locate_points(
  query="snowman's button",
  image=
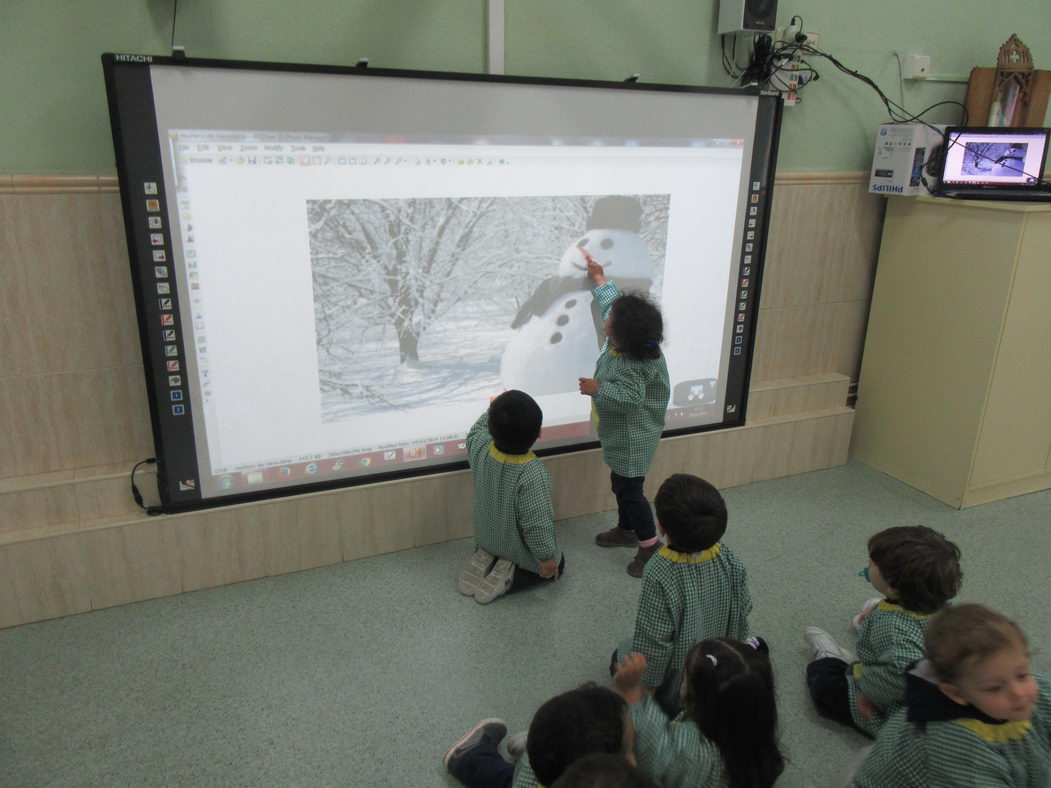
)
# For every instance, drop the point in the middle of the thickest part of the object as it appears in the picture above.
(562, 320)
(606, 243)
(570, 303)
(556, 338)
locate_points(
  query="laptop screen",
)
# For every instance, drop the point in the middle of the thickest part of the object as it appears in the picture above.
(994, 157)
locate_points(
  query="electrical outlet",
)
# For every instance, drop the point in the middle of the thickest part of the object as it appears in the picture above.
(917, 67)
(811, 38)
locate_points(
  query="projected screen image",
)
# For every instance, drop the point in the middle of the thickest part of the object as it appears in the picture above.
(344, 283)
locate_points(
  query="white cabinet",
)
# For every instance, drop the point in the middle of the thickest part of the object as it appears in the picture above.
(954, 396)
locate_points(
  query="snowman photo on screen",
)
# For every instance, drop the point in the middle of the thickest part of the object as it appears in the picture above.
(557, 330)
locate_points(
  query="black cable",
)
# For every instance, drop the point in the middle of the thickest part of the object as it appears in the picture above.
(175, 11)
(760, 66)
(135, 494)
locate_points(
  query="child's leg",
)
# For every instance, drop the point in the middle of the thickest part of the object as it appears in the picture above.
(526, 579)
(633, 508)
(475, 761)
(827, 681)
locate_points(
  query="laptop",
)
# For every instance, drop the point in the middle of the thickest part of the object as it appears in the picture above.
(994, 164)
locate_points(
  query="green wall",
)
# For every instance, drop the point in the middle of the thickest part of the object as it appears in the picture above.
(54, 104)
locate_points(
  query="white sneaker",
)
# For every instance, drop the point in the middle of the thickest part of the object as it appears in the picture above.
(824, 645)
(516, 745)
(496, 583)
(474, 572)
(865, 610)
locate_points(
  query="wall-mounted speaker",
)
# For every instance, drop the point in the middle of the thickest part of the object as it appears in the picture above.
(749, 16)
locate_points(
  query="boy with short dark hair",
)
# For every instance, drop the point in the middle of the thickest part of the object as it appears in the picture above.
(694, 588)
(589, 719)
(918, 572)
(604, 771)
(514, 528)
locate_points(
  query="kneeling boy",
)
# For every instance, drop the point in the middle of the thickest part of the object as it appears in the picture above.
(514, 521)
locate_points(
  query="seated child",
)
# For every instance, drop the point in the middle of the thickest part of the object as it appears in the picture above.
(918, 571)
(514, 521)
(974, 715)
(580, 722)
(604, 771)
(693, 588)
(727, 734)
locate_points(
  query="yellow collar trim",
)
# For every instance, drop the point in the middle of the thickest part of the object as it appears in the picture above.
(510, 459)
(997, 733)
(690, 558)
(885, 605)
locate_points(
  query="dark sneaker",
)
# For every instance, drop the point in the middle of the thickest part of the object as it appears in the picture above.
(638, 563)
(496, 583)
(490, 731)
(475, 570)
(616, 537)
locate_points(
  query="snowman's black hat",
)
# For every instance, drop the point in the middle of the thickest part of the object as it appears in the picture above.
(616, 213)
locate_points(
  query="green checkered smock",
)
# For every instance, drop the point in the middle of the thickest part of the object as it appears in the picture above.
(687, 597)
(631, 401)
(674, 752)
(524, 777)
(962, 753)
(513, 515)
(890, 639)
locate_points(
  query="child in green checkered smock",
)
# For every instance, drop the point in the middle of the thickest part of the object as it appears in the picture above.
(693, 589)
(629, 392)
(974, 715)
(918, 570)
(584, 721)
(514, 528)
(727, 733)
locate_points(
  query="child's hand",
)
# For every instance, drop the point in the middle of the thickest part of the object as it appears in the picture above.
(866, 708)
(628, 678)
(588, 386)
(549, 568)
(596, 273)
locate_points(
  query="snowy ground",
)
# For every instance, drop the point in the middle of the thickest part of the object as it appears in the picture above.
(459, 363)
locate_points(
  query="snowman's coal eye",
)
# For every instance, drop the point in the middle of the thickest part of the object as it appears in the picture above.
(606, 243)
(570, 303)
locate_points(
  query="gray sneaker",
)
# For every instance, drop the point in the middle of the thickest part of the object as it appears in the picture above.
(642, 557)
(474, 572)
(492, 729)
(496, 583)
(516, 745)
(616, 537)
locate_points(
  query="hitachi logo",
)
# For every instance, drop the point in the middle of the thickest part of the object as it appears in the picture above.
(879, 187)
(133, 58)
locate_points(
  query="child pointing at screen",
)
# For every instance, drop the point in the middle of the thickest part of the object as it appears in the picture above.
(629, 394)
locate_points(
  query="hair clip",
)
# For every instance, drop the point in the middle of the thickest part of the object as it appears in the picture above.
(753, 641)
(652, 343)
(715, 662)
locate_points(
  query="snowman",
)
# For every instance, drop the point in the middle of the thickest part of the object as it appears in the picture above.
(558, 333)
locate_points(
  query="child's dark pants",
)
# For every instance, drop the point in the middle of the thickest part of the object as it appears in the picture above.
(633, 510)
